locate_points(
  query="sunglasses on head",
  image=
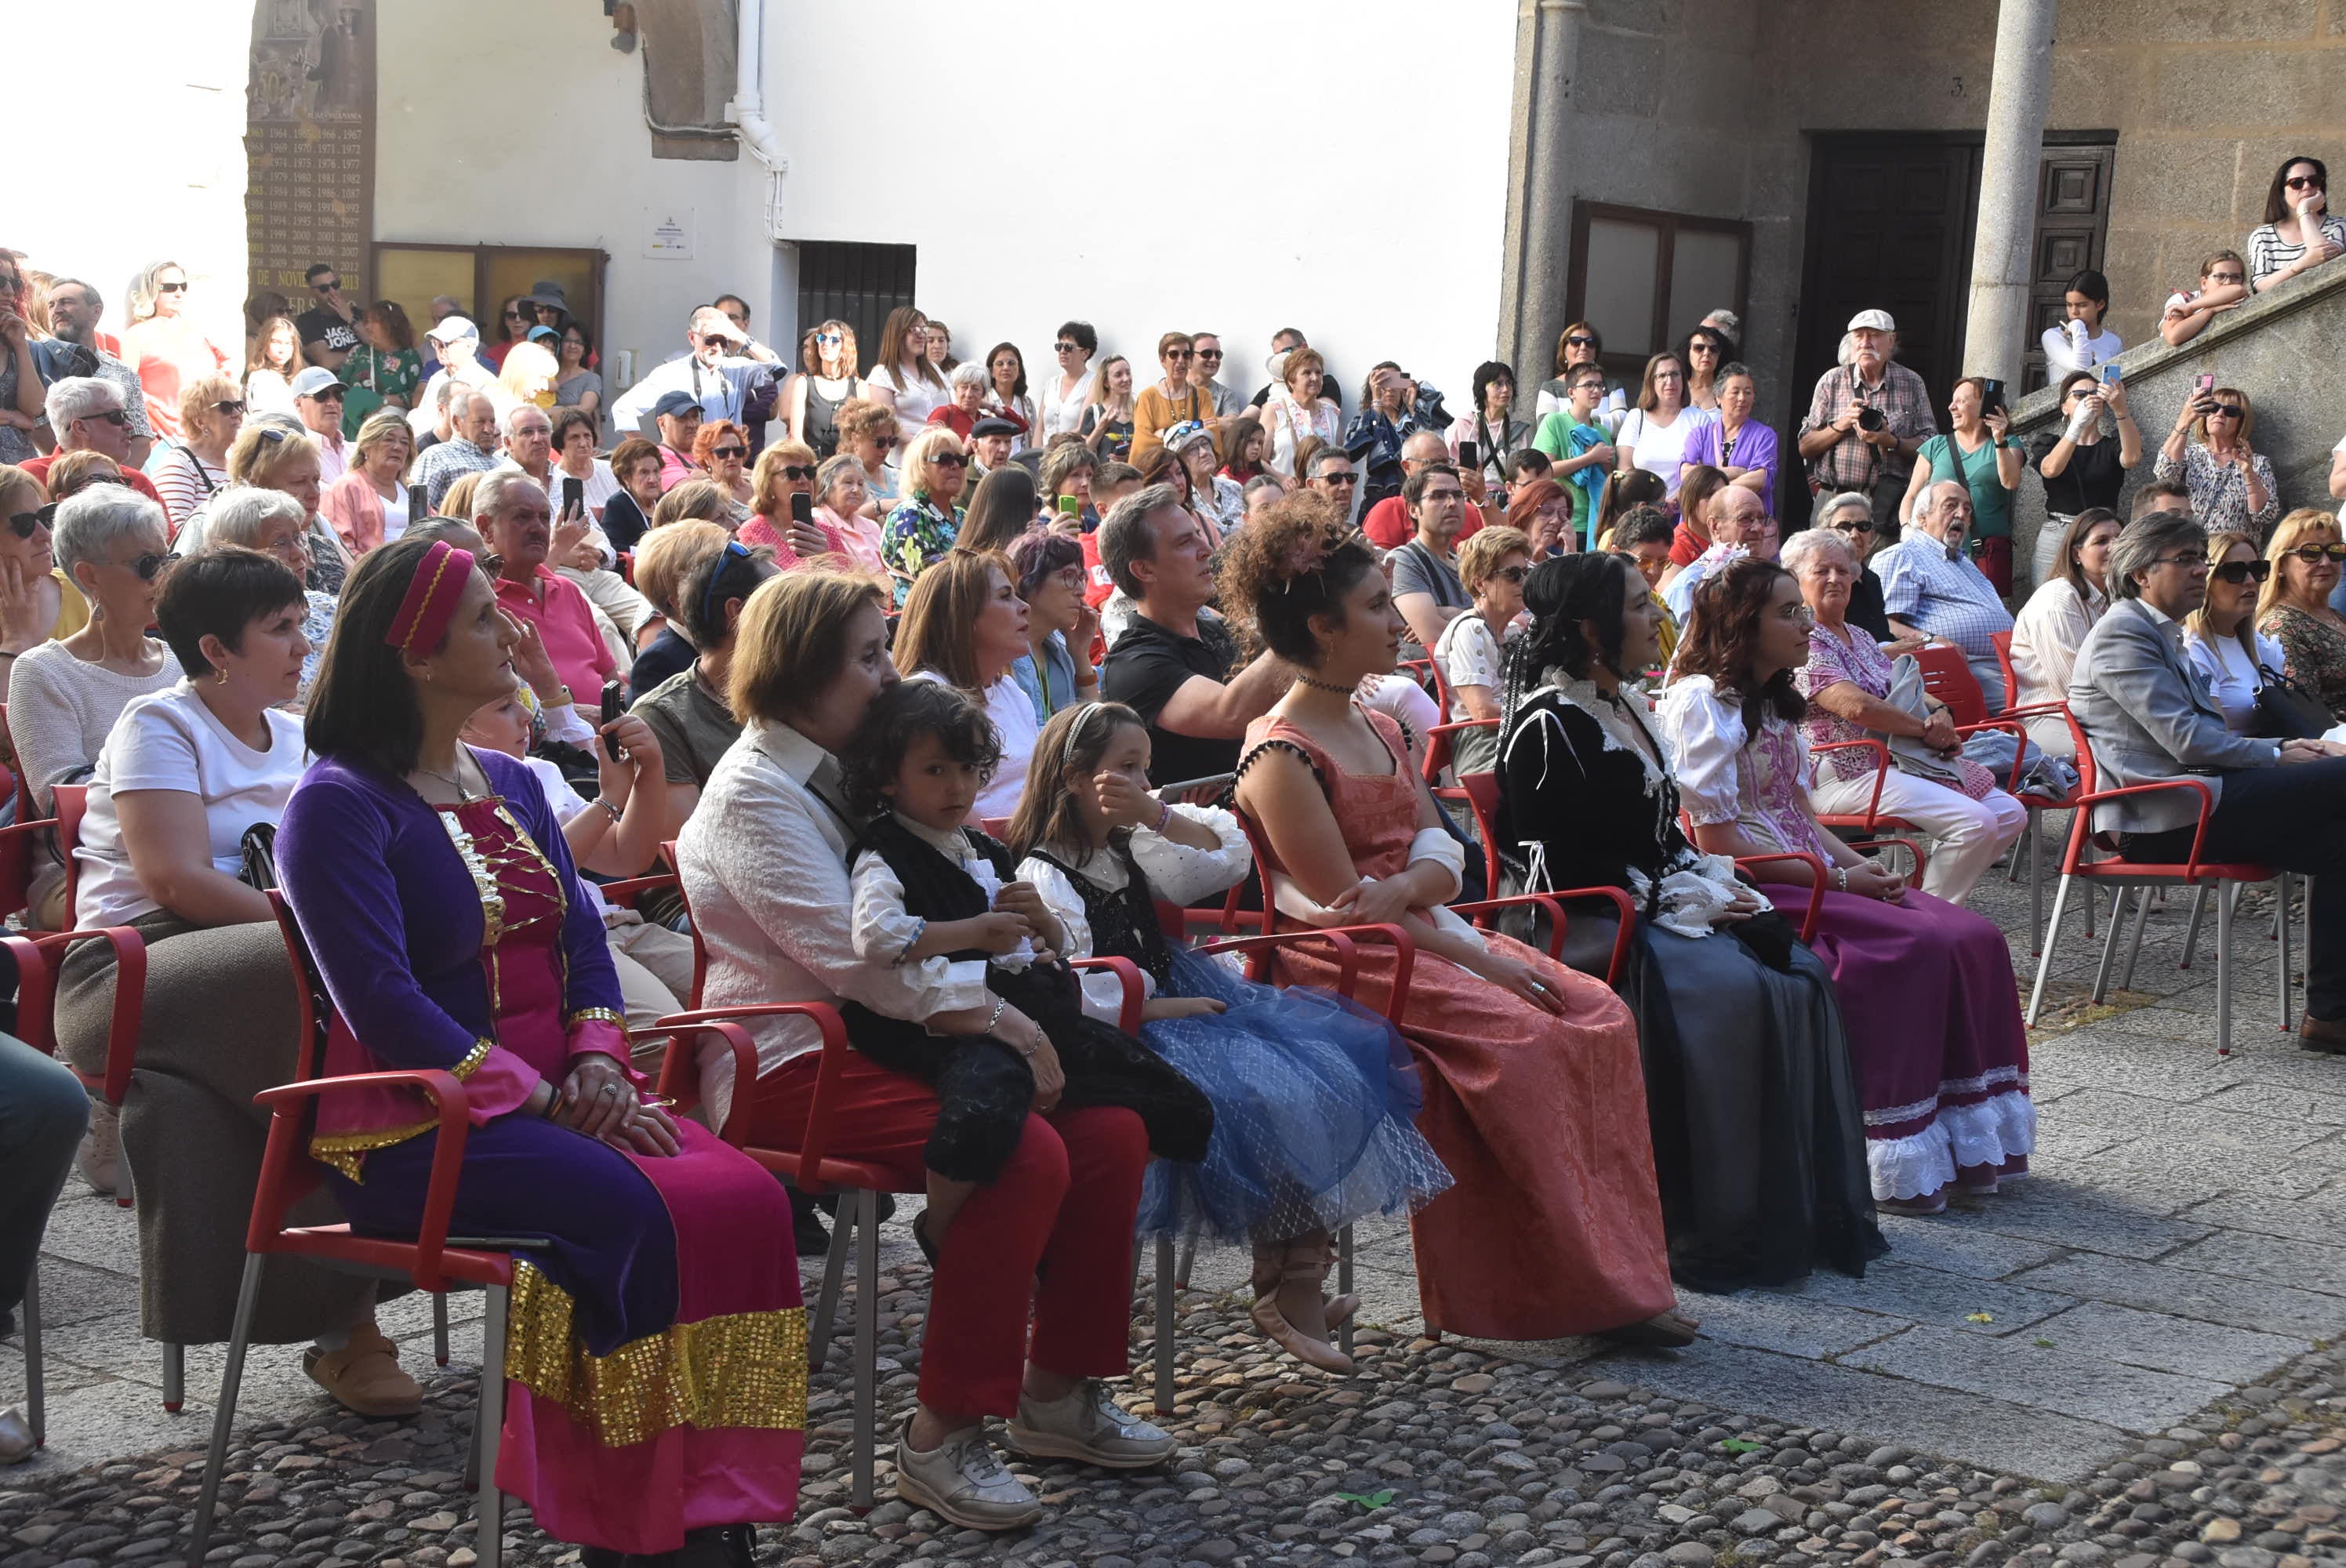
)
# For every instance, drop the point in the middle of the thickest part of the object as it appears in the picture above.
(2310, 554)
(734, 550)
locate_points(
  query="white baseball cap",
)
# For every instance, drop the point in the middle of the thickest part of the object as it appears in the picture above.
(448, 329)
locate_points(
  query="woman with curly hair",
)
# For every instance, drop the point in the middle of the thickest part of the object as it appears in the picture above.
(1532, 1095)
(1926, 988)
(1757, 1133)
(721, 450)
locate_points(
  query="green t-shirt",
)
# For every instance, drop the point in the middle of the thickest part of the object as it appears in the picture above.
(1991, 502)
(1556, 438)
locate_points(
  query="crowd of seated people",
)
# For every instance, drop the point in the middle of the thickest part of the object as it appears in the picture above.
(939, 683)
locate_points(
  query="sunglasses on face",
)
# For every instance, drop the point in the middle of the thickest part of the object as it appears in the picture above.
(1340, 479)
(798, 472)
(1512, 574)
(2225, 411)
(149, 565)
(2239, 572)
(23, 524)
(234, 408)
(1181, 354)
(170, 288)
(949, 460)
(114, 417)
(829, 339)
(1210, 353)
(2313, 554)
(327, 287)
(2304, 183)
(1066, 348)
(1852, 525)
(883, 441)
(1580, 342)
(729, 452)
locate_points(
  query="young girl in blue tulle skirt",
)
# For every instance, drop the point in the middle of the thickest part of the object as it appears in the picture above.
(1314, 1099)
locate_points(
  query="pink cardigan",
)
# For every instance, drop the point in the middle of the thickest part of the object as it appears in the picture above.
(355, 511)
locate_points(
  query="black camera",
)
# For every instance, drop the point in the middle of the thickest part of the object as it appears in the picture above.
(1870, 418)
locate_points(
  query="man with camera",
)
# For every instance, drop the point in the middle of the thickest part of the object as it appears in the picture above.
(724, 368)
(1866, 421)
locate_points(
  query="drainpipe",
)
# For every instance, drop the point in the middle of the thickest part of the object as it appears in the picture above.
(748, 110)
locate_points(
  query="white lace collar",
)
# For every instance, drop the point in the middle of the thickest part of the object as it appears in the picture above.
(1619, 730)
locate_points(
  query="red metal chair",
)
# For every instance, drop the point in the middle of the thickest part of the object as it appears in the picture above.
(432, 1260)
(1442, 740)
(2137, 879)
(2037, 802)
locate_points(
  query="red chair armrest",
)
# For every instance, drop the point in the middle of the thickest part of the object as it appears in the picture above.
(1438, 756)
(2081, 826)
(1127, 974)
(1881, 770)
(835, 1047)
(286, 1101)
(680, 1085)
(1344, 939)
(129, 1004)
(1816, 871)
(624, 895)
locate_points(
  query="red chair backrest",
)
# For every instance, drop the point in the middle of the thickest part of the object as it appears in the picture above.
(2001, 643)
(1948, 678)
(310, 1056)
(1483, 796)
(73, 804)
(699, 949)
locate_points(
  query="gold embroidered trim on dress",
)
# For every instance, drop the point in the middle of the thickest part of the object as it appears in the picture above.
(745, 1370)
(593, 1014)
(485, 879)
(473, 1060)
(343, 1151)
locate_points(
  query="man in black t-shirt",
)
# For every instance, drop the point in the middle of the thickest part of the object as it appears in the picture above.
(1173, 664)
(330, 331)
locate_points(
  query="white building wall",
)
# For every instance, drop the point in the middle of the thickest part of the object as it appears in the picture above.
(516, 123)
(165, 183)
(1228, 165)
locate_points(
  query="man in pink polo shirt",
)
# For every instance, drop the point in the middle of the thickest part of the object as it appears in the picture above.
(516, 523)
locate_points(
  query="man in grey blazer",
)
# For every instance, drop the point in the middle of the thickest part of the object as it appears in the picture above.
(2149, 717)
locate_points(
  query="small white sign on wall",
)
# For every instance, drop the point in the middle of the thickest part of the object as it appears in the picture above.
(668, 233)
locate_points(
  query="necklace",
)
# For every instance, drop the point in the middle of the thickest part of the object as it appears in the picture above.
(463, 796)
(1318, 685)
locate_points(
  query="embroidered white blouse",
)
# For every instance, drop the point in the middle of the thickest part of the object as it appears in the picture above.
(1176, 872)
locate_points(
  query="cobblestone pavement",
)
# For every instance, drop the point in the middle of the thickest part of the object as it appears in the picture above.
(2124, 1360)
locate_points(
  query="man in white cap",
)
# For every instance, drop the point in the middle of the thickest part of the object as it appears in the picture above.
(724, 369)
(1867, 419)
(318, 399)
(457, 344)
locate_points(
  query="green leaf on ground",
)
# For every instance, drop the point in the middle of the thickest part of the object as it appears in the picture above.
(1370, 1501)
(1742, 1445)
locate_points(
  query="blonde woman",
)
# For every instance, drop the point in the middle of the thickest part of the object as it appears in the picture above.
(528, 376)
(275, 458)
(1108, 427)
(2293, 609)
(46, 604)
(367, 506)
(2221, 636)
(187, 470)
(163, 345)
(925, 522)
(2230, 483)
(811, 397)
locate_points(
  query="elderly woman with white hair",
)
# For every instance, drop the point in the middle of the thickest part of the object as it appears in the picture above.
(65, 695)
(1931, 785)
(188, 471)
(272, 522)
(966, 385)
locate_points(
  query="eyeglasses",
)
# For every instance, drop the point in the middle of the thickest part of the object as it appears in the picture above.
(170, 288)
(1512, 573)
(110, 415)
(949, 460)
(1800, 615)
(149, 565)
(734, 550)
(2312, 554)
(2196, 560)
(2231, 278)
(1428, 498)
(2225, 411)
(2303, 182)
(2239, 572)
(729, 452)
(235, 408)
(797, 471)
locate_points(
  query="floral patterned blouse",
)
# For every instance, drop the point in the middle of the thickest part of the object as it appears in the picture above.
(1853, 657)
(917, 533)
(2219, 491)
(2316, 649)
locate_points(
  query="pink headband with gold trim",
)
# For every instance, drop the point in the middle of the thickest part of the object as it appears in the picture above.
(431, 598)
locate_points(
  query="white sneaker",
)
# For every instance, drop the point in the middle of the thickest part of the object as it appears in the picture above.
(963, 1481)
(1087, 1424)
(99, 1159)
(17, 1443)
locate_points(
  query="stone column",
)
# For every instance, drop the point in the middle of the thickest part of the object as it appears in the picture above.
(1539, 206)
(2003, 259)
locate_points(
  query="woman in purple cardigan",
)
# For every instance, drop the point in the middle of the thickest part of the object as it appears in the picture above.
(439, 900)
